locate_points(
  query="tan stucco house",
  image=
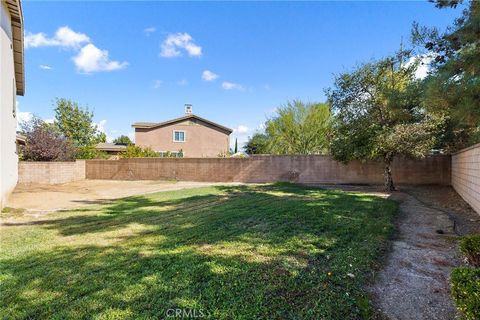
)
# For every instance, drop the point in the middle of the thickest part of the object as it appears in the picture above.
(11, 85)
(196, 137)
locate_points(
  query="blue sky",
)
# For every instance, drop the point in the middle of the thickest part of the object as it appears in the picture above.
(235, 62)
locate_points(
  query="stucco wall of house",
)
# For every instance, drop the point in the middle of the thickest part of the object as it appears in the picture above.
(8, 155)
(466, 175)
(201, 139)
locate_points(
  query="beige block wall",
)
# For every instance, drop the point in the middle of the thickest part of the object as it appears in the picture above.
(201, 140)
(8, 122)
(50, 172)
(303, 169)
(466, 175)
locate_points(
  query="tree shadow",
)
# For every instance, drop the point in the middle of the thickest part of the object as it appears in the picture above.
(254, 252)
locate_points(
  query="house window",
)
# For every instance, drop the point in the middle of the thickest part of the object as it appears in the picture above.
(178, 136)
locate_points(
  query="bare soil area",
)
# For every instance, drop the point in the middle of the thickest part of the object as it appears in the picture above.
(47, 198)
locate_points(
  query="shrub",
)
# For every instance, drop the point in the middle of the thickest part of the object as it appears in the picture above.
(45, 143)
(470, 247)
(89, 152)
(133, 151)
(466, 291)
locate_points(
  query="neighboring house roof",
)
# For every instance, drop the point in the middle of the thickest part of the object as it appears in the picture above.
(15, 9)
(103, 146)
(151, 125)
(21, 139)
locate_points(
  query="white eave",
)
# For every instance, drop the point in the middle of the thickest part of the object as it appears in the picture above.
(15, 9)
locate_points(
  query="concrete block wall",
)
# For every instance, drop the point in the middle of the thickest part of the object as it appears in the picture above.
(50, 172)
(466, 175)
(303, 169)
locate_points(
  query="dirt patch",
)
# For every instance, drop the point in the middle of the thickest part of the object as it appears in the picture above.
(46, 198)
(445, 199)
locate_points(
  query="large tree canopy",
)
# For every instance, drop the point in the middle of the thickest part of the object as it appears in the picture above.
(299, 128)
(378, 114)
(257, 144)
(453, 88)
(76, 123)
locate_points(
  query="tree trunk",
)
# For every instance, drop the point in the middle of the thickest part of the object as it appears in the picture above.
(387, 174)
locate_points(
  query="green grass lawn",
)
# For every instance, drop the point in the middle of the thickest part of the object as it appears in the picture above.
(277, 251)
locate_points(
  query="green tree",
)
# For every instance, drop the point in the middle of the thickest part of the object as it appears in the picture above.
(299, 128)
(378, 114)
(452, 90)
(123, 140)
(101, 137)
(76, 123)
(236, 146)
(256, 144)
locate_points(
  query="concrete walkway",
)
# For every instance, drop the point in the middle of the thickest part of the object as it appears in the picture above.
(415, 282)
(47, 198)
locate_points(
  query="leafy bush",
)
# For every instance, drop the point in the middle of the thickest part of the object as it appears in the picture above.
(138, 152)
(45, 143)
(470, 247)
(466, 291)
(133, 151)
(89, 152)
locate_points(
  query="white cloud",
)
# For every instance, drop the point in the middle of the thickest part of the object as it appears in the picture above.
(208, 75)
(149, 30)
(241, 134)
(101, 128)
(88, 59)
(174, 42)
(423, 67)
(101, 125)
(92, 59)
(45, 67)
(241, 129)
(230, 86)
(182, 82)
(50, 120)
(64, 37)
(23, 117)
(157, 84)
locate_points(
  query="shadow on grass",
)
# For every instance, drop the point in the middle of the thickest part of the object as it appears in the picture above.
(236, 252)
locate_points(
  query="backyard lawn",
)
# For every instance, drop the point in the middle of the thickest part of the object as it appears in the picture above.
(276, 251)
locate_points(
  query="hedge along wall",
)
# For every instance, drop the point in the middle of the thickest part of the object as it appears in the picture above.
(303, 169)
(466, 175)
(50, 172)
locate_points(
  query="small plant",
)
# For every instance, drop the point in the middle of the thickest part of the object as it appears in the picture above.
(466, 291)
(89, 152)
(470, 247)
(133, 151)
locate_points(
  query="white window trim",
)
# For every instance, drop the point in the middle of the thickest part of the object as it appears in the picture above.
(184, 136)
